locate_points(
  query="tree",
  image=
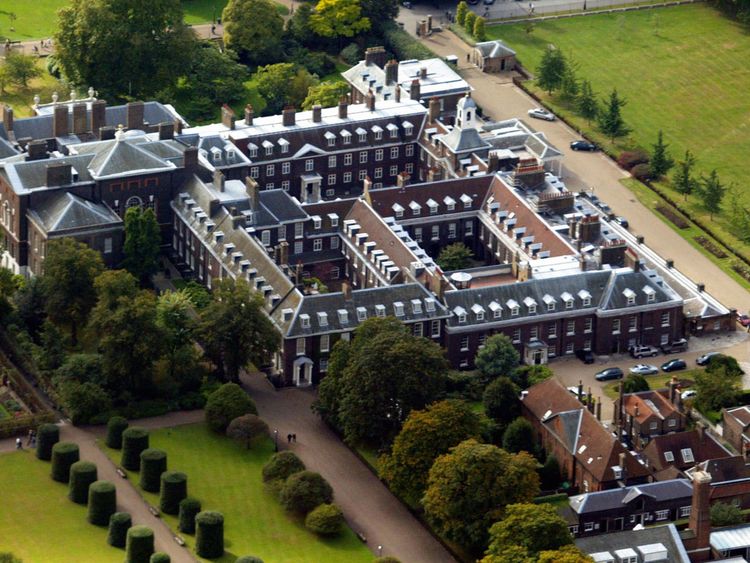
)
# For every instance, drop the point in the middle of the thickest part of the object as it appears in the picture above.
(661, 162)
(298, 26)
(225, 404)
(569, 87)
(469, 20)
(281, 466)
(82, 368)
(305, 490)
(246, 429)
(379, 12)
(549, 473)
(328, 403)
(338, 18)
(586, 103)
(519, 437)
(536, 527)
(10, 283)
(683, 180)
(20, 68)
(469, 488)
(461, 10)
(283, 84)
(426, 434)
(150, 39)
(566, 554)
(142, 242)
(712, 192)
(634, 383)
(456, 256)
(479, 31)
(610, 119)
(726, 514)
(526, 376)
(551, 69)
(68, 283)
(83, 401)
(173, 317)
(501, 400)
(234, 329)
(498, 357)
(325, 520)
(9, 558)
(29, 305)
(717, 387)
(326, 94)
(254, 29)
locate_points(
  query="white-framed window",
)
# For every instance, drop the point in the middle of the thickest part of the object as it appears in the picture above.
(435, 232)
(378, 155)
(662, 514)
(108, 245)
(379, 172)
(286, 167)
(462, 317)
(418, 234)
(434, 329)
(451, 230)
(516, 335)
(270, 170)
(269, 149)
(652, 425)
(469, 228)
(265, 238)
(309, 165)
(282, 232)
(323, 364)
(347, 177)
(362, 136)
(571, 328)
(347, 159)
(616, 326)
(300, 346)
(332, 141)
(632, 324)
(588, 526)
(334, 273)
(534, 333)
(317, 222)
(304, 321)
(378, 134)
(464, 343)
(409, 150)
(417, 329)
(252, 150)
(254, 171)
(672, 422)
(332, 179)
(380, 311)
(284, 145)
(569, 348)
(685, 511)
(318, 244)
(588, 324)
(299, 230)
(270, 185)
(665, 319)
(409, 168)
(346, 136)
(363, 157)
(482, 340)
(687, 455)
(664, 339)
(393, 170)
(325, 343)
(332, 161)
(298, 247)
(330, 192)
(552, 330)
(334, 243)
(394, 152)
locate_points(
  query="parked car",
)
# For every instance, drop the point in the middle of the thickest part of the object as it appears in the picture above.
(673, 365)
(706, 358)
(744, 320)
(582, 145)
(608, 374)
(644, 369)
(620, 220)
(675, 346)
(689, 394)
(604, 207)
(585, 356)
(643, 351)
(541, 113)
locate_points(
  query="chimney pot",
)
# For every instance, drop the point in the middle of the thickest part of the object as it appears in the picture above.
(288, 116)
(415, 93)
(423, 72)
(249, 114)
(343, 107)
(134, 115)
(317, 113)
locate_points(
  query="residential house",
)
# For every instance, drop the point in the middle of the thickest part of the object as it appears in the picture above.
(493, 56)
(646, 414)
(661, 544)
(668, 455)
(736, 425)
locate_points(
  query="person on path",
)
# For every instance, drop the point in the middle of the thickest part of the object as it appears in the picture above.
(294, 438)
(19, 444)
(288, 438)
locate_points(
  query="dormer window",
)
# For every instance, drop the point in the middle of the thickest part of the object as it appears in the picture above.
(380, 311)
(429, 305)
(392, 130)
(334, 219)
(513, 306)
(378, 131)
(398, 309)
(585, 298)
(361, 314)
(466, 201)
(416, 306)
(433, 205)
(629, 295)
(317, 221)
(398, 210)
(346, 136)
(450, 203)
(460, 312)
(304, 320)
(650, 293)
(331, 138)
(252, 150)
(478, 310)
(416, 209)
(530, 305)
(408, 128)
(497, 310)
(567, 299)
(361, 135)
(322, 319)
(284, 144)
(343, 316)
(268, 145)
(550, 302)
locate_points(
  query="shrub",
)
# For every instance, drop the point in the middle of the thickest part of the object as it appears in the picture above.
(191, 401)
(119, 524)
(350, 55)
(134, 441)
(225, 404)
(47, 436)
(139, 545)
(248, 559)
(102, 502)
(189, 509)
(628, 159)
(246, 429)
(115, 427)
(403, 45)
(641, 172)
(679, 221)
(281, 466)
(64, 454)
(173, 491)
(160, 557)
(209, 534)
(725, 514)
(83, 401)
(153, 464)
(305, 490)
(82, 474)
(325, 520)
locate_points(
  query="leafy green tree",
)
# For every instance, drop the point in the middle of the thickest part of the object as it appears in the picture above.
(246, 429)
(536, 527)
(519, 437)
(234, 329)
(526, 376)
(634, 383)
(254, 29)
(298, 26)
(566, 554)
(586, 103)
(29, 304)
(380, 12)
(469, 20)
(328, 403)
(661, 162)
(83, 401)
(226, 404)
(150, 39)
(81, 368)
(726, 514)
(461, 10)
(20, 68)
(717, 387)
(142, 242)
(283, 84)
(610, 118)
(327, 94)
(469, 488)
(551, 69)
(10, 283)
(501, 400)
(549, 473)
(68, 283)
(456, 256)
(305, 490)
(325, 520)
(498, 357)
(712, 192)
(683, 180)
(110, 286)
(335, 19)
(173, 317)
(479, 32)
(426, 434)
(569, 86)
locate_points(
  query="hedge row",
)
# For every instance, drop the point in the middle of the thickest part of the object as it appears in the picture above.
(153, 464)
(82, 474)
(209, 534)
(20, 425)
(134, 441)
(115, 427)
(47, 436)
(119, 524)
(189, 509)
(102, 502)
(64, 454)
(173, 491)
(139, 545)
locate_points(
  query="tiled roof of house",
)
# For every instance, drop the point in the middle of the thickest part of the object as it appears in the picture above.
(650, 403)
(740, 414)
(613, 499)
(682, 449)
(121, 157)
(65, 211)
(464, 140)
(723, 469)
(660, 543)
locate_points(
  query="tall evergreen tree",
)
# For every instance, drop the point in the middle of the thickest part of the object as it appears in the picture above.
(142, 241)
(610, 120)
(479, 32)
(683, 180)
(569, 86)
(587, 105)
(661, 162)
(712, 192)
(550, 71)
(461, 10)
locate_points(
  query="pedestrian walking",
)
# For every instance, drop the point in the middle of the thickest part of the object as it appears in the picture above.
(288, 438)
(294, 438)
(19, 444)
(31, 435)
(467, 57)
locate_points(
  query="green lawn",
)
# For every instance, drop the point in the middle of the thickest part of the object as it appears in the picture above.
(658, 381)
(681, 69)
(39, 523)
(227, 478)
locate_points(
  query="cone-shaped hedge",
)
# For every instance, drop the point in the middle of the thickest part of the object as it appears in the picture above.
(153, 464)
(139, 544)
(134, 441)
(82, 474)
(209, 534)
(189, 509)
(64, 454)
(102, 502)
(47, 436)
(115, 427)
(119, 524)
(160, 557)
(173, 490)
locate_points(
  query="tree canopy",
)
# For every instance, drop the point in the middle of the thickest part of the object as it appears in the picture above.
(254, 29)
(519, 437)
(456, 256)
(142, 242)
(610, 118)
(549, 73)
(712, 192)
(683, 180)
(498, 357)
(718, 386)
(283, 84)
(501, 400)
(338, 18)
(327, 94)
(661, 162)
(586, 103)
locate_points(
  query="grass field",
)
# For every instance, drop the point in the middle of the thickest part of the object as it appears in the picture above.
(227, 478)
(39, 523)
(658, 381)
(20, 99)
(682, 69)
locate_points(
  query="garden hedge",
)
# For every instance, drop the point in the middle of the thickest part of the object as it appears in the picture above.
(304, 491)
(189, 509)
(82, 474)
(160, 557)
(102, 502)
(173, 491)
(64, 454)
(209, 534)
(119, 524)
(139, 546)
(325, 520)
(248, 559)
(134, 441)
(281, 466)
(153, 464)
(115, 427)
(47, 436)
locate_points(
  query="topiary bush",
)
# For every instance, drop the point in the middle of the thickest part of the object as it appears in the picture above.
(153, 464)
(139, 546)
(115, 427)
(325, 520)
(641, 172)
(47, 436)
(64, 454)
(628, 159)
(225, 404)
(189, 509)
(119, 524)
(248, 559)
(281, 466)
(173, 491)
(82, 474)
(305, 490)
(209, 534)
(102, 502)
(134, 441)
(160, 557)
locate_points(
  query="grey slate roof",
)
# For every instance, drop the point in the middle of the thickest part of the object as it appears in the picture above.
(464, 140)
(632, 539)
(30, 175)
(122, 157)
(494, 48)
(65, 211)
(6, 149)
(615, 498)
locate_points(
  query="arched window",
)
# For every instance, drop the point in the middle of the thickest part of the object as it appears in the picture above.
(134, 201)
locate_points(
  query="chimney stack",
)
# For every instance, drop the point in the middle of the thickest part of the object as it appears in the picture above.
(346, 289)
(98, 115)
(107, 133)
(415, 93)
(375, 56)
(423, 72)
(134, 115)
(253, 192)
(429, 23)
(60, 121)
(402, 179)
(623, 476)
(249, 114)
(391, 72)
(166, 130)
(190, 159)
(228, 117)
(177, 126)
(288, 116)
(343, 107)
(370, 100)
(283, 252)
(434, 110)
(700, 511)
(80, 119)
(397, 93)
(580, 390)
(37, 150)
(8, 117)
(59, 174)
(599, 409)
(317, 113)
(219, 180)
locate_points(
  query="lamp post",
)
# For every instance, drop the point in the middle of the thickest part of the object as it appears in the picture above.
(276, 440)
